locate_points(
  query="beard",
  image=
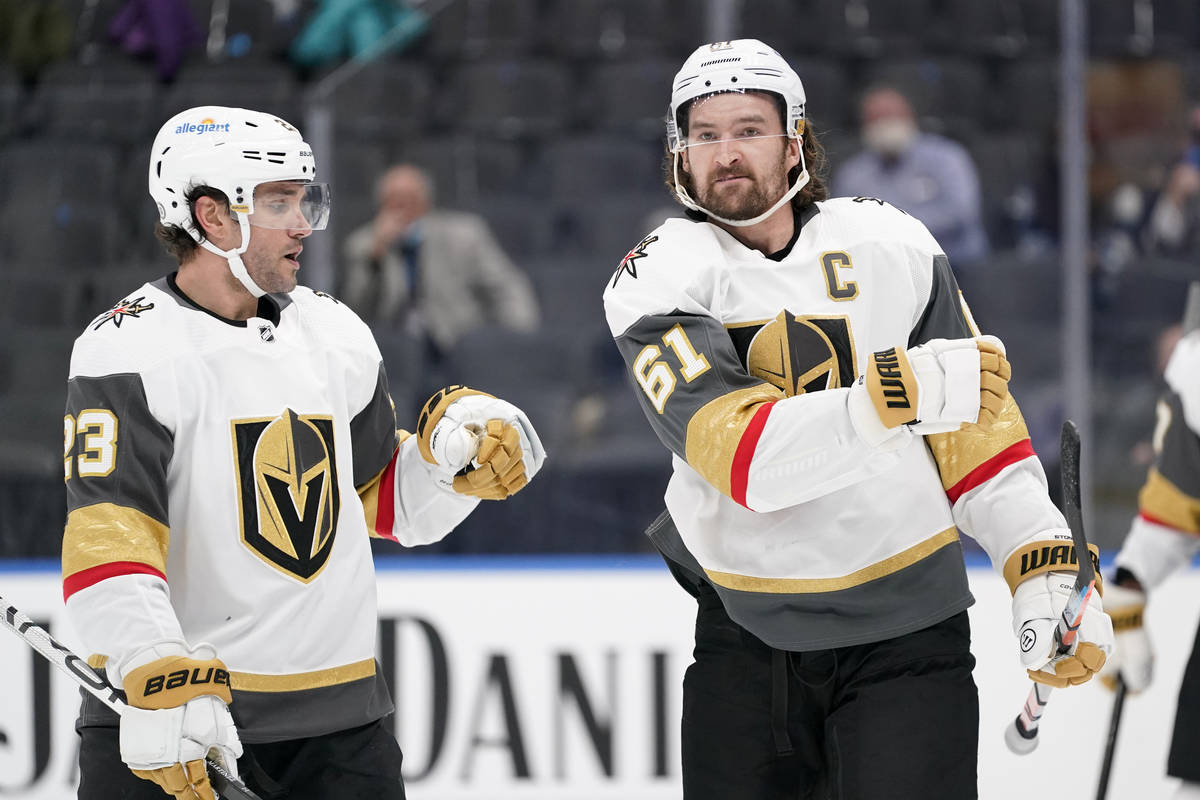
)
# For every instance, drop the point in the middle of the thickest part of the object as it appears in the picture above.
(744, 201)
(265, 270)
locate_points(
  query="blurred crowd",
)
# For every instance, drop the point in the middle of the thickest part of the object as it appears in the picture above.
(488, 177)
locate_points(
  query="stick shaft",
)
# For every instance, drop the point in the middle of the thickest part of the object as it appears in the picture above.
(1065, 632)
(61, 656)
(1110, 746)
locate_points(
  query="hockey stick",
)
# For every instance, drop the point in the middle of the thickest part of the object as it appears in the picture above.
(39, 639)
(1110, 748)
(1021, 736)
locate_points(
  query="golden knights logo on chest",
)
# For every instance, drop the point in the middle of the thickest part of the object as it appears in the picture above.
(287, 490)
(798, 353)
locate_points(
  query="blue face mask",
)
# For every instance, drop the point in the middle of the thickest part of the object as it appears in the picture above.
(1192, 154)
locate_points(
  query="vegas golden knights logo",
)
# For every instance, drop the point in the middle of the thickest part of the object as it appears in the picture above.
(802, 354)
(288, 490)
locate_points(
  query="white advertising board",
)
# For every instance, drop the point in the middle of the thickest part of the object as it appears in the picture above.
(560, 678)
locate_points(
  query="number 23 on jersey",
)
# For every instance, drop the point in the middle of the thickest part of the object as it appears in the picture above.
(98, 427)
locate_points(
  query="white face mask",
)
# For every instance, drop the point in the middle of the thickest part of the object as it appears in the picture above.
(890, 137)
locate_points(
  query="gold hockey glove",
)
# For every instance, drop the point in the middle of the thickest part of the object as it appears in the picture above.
(1041, 574)
(178, 714)
(479, 445)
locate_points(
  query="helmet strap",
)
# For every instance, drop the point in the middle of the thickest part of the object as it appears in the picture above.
(686, 199)
(234, 258)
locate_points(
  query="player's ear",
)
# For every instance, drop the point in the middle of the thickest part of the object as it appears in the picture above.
(213, 218)
(793, 151)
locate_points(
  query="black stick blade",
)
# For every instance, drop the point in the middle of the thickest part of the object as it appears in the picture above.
(1069, 464)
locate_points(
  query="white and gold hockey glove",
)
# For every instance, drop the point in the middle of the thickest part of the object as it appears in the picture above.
(1133, 658)
(177, 716)
(1041, 574)
(479, 445)
(935, 387)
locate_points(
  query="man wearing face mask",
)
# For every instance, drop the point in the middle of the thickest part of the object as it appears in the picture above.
(927, 175)
(1173, 224)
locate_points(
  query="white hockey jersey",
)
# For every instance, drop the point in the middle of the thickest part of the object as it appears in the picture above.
(1165, 535)
(812, 538)
(222, 479)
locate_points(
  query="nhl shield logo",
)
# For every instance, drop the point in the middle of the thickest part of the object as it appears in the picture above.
(800, 354)
(288, 490)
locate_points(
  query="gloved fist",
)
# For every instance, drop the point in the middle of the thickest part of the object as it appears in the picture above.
(1133, 657)
(480, 445)
(994, 373)
(1037, 607)
(178, 714)
(935, 387)
(501, 469)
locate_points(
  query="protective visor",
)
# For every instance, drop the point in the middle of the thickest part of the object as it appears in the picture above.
(701, 138)
(291, 206)
(743, 124)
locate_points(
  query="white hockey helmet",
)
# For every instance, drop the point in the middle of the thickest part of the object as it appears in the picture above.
(741, 65)
(233, 150)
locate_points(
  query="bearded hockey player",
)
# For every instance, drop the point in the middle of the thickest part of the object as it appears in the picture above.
(835, 420)
(230, 446)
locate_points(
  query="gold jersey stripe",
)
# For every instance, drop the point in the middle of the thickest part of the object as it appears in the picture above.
(1168, 504)
(105, 533)
(715, 429)
(960, 452)
(300, 681)
(919, 551)
(253, 682)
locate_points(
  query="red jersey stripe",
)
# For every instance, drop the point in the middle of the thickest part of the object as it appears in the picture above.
(93, 575)
(989, 469)
(739, 472)
(385, 504)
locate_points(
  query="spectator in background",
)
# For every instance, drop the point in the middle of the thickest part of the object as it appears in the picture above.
(1174, 225)
(163, 29)
(434, 274)
(340, 29)
(929, 176)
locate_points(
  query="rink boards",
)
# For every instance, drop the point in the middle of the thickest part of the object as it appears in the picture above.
(560, 678)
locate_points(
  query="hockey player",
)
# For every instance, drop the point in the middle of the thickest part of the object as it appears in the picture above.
(230, 445)
(835, 419)
(1163, 538)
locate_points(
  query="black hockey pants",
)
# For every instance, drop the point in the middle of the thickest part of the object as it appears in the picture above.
(895, 719)
(357, 764)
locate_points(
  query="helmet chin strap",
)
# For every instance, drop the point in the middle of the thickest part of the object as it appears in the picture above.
(686, 199)
(234, 257)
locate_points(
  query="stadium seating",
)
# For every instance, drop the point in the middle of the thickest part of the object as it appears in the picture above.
(57, 204)
(471, 29)
(547, 118)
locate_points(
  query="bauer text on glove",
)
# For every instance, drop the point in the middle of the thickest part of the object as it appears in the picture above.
(177, 716)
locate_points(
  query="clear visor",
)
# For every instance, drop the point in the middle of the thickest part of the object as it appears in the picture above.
(701, 138)
(291, 206)
(723, 117)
